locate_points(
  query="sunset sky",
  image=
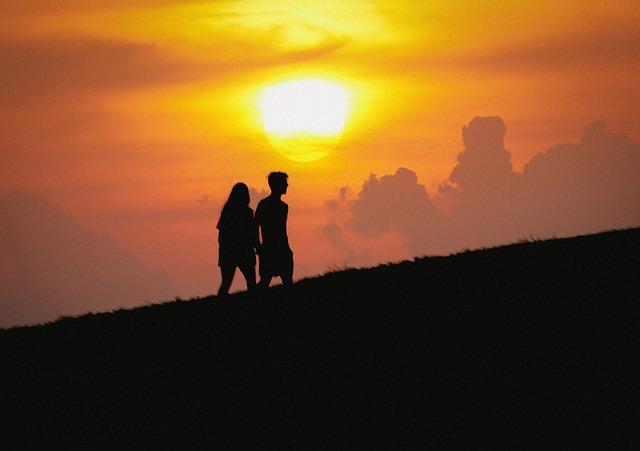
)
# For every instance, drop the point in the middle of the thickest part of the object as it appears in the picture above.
(126, 123)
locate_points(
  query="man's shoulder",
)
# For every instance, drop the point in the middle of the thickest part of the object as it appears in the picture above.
(271, 201)
(266, 201)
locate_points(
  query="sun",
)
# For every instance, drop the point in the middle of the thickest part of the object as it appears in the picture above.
(304, 119)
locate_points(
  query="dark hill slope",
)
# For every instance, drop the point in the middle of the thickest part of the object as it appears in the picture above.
(525, 346)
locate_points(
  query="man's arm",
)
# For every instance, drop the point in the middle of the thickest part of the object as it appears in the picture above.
(258, 223)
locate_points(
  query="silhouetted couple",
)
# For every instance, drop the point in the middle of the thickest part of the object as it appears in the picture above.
(239, 236)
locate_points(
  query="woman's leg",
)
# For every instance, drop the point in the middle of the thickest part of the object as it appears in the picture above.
(227, 277)
(249, 273)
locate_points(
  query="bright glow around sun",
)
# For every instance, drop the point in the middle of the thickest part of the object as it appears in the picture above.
(310, 106)
(304, 118)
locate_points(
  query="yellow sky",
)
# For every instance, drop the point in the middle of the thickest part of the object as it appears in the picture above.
(137, 117)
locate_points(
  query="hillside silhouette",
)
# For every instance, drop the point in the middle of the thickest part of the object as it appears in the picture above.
(529, 345)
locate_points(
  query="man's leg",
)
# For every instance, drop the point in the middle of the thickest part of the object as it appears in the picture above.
(287, 279)
(287, 270)
(227, 277)
(264, 281)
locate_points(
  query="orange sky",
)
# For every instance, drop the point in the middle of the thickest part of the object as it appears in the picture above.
(137, 117)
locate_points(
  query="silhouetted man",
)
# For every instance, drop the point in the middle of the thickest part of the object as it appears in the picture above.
(276, 258)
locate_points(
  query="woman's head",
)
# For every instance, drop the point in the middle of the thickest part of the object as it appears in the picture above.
(239, 196)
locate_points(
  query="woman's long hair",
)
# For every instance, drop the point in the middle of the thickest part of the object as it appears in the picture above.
(238, 198)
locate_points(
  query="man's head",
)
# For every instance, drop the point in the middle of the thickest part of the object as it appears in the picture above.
(278, 182)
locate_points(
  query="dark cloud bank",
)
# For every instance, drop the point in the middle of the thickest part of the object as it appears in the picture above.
(51, 266)
(569, 190)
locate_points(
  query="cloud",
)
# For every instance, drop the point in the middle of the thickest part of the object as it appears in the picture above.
(64, 69)
(597, 48)
(256, 196)
(58, 268)
(569, 190)
(583, 187)
(393, 204)
(354, 254)
(352, 248)
(484, 166)
(9, 8)
(486, 184)
(74, 62)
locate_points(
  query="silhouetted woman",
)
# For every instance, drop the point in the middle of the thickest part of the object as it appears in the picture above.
(238, 238)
